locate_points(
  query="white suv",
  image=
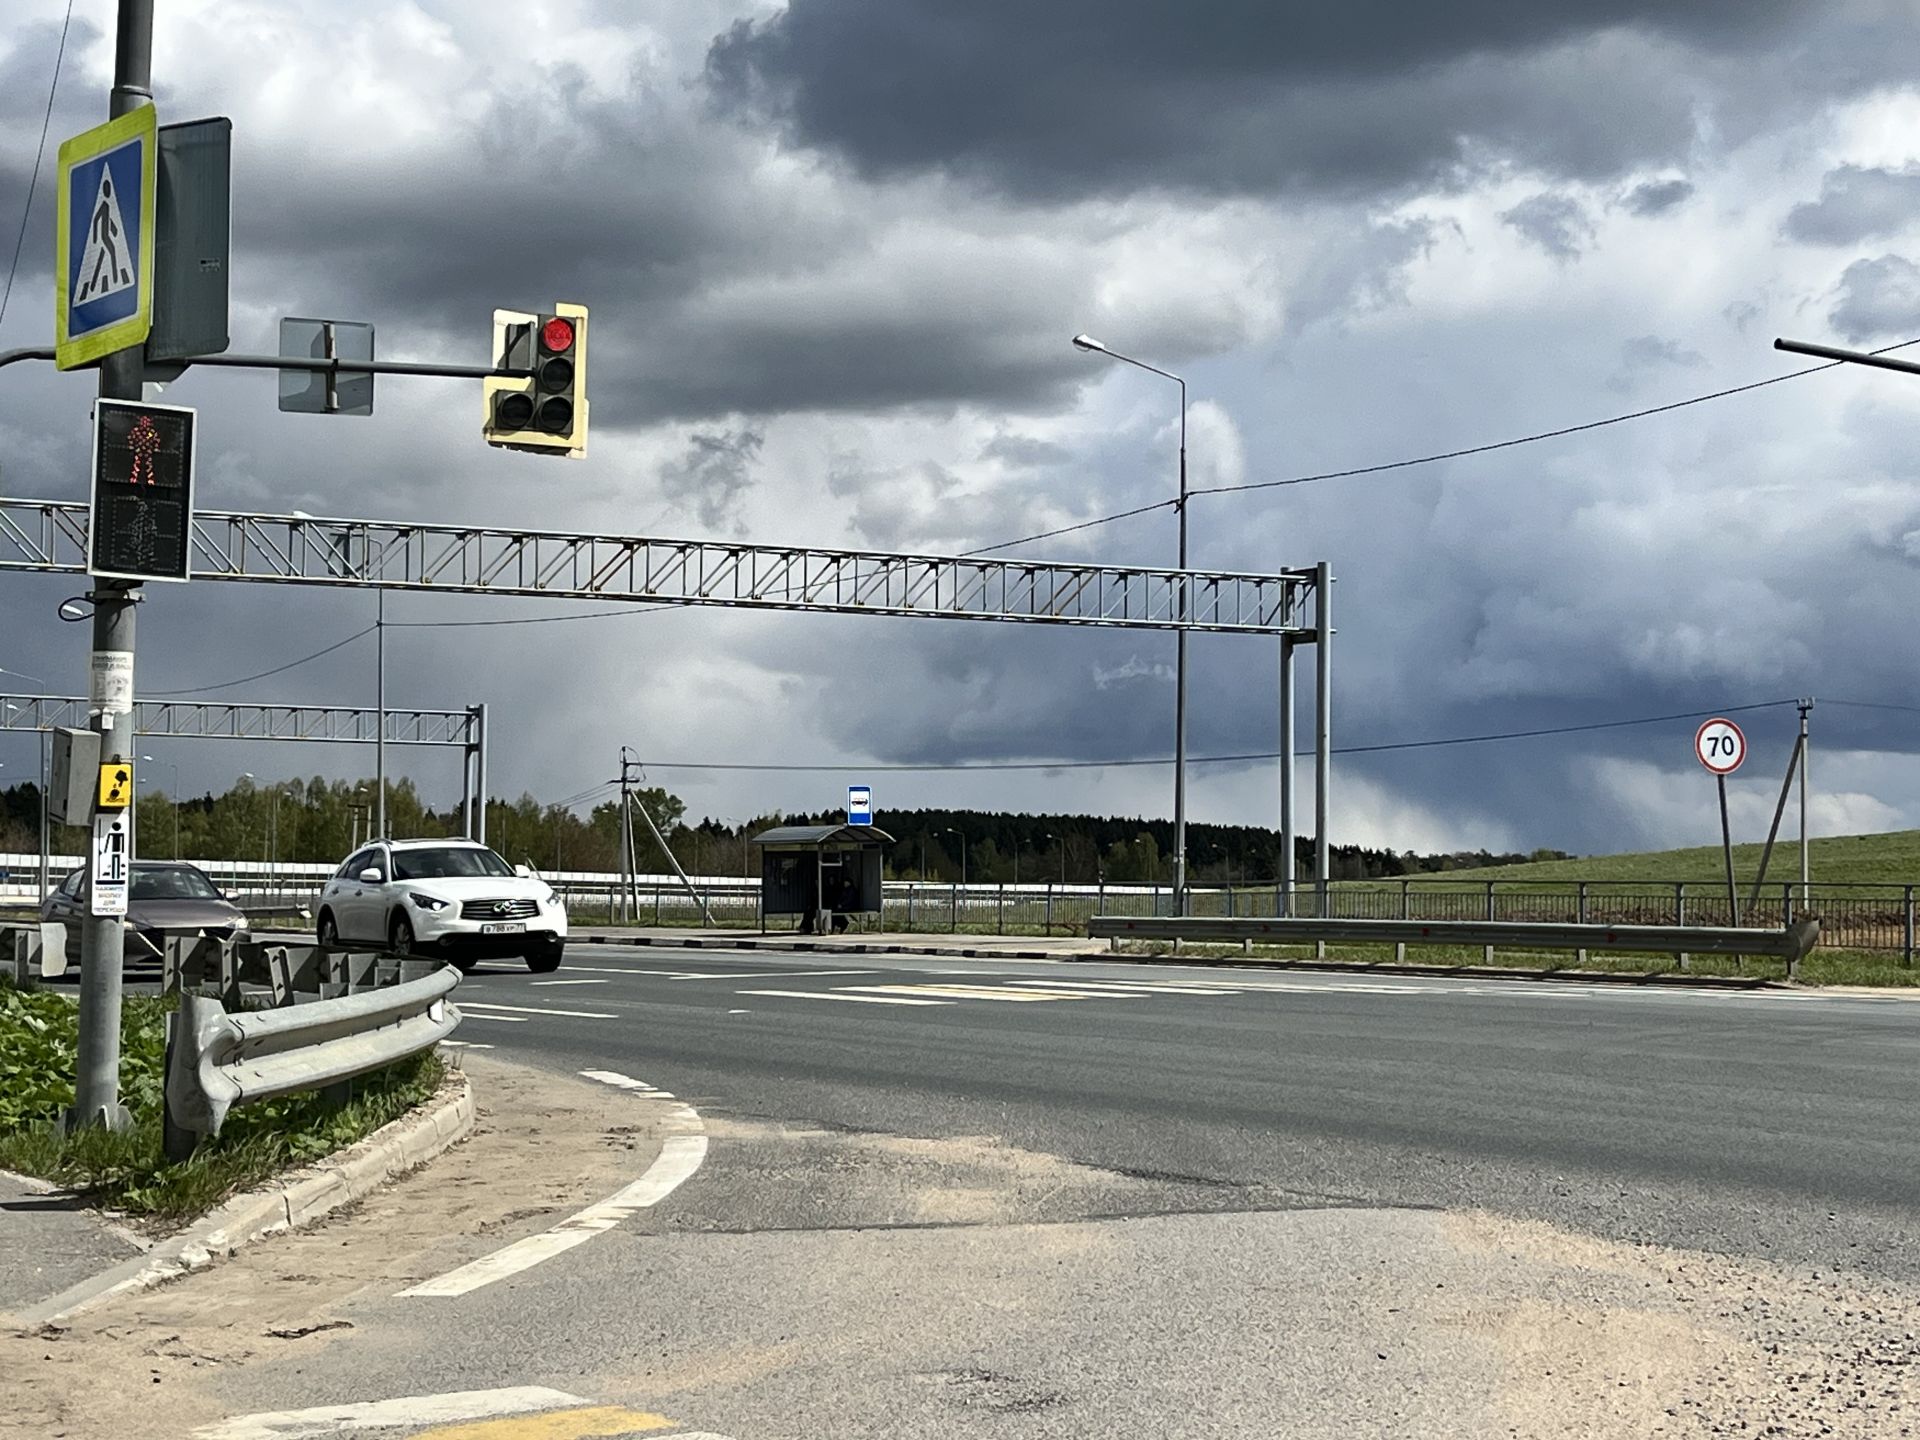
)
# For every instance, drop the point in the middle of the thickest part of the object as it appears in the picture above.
(451, 898)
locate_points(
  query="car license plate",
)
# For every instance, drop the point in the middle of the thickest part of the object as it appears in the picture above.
(504, 927)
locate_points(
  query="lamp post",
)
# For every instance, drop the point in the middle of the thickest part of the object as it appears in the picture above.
(963, 854)
(1087, 342)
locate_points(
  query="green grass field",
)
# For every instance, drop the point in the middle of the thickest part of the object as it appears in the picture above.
(1889, 859)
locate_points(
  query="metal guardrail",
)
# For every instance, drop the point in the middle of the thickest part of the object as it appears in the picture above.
(217, 1059)
(1790, 943)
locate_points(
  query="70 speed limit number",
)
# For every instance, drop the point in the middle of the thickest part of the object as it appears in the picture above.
(1720, 745)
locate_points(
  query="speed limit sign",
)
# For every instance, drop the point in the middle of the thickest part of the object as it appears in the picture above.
(1720, 745)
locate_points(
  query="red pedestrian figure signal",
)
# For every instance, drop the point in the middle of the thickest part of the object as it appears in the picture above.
(142, 491)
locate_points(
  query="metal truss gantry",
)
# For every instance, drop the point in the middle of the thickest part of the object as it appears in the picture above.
(51, 536)
(235, 720)
(465, 730)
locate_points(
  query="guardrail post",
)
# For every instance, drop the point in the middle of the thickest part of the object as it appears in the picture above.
(911, 891)
(1580, 917)
(1680, 918)
(1049, 907)
(1906, 951)
(656, 905)
(953, 910)
(1486, 954)
(1001, 927)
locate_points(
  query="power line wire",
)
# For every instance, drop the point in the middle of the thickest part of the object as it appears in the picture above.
(1872, 705)
(996, 765)
(277, 670)
(26, 209)
(1445, 454)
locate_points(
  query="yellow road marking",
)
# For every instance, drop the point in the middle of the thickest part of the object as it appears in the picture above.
(554, 1425)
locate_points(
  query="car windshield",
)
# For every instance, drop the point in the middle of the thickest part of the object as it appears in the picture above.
(440, 862)
(172, 885)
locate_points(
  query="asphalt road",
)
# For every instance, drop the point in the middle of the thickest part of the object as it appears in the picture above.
(1016, 1198)
(1766, 1124)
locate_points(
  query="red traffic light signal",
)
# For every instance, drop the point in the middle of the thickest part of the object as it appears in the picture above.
(546, 408)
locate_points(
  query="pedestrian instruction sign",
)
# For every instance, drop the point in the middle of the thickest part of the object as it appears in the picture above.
(103, 239)
(116, 785)
(110, 866)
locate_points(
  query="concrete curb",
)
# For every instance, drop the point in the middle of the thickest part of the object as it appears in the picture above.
(297, 1199)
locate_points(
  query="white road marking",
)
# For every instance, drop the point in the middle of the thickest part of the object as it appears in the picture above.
(467, 1012)
(569, 982)
(772, 974)
(837, 995)
(464, 1045)
(965, 992)
(680, 1156)
(1130, 987)
(537, 1010)
(409, 1411)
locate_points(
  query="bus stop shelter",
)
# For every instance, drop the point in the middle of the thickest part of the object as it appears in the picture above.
(820, 872)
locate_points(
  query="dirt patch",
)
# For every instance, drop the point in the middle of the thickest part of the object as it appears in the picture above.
(542, 1147)
(1609, 1338)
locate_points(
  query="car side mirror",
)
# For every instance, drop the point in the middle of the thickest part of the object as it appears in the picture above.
(371, 876)
(525, 872)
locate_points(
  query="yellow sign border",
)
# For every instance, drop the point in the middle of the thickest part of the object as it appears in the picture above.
(108, 784)
(142, 125)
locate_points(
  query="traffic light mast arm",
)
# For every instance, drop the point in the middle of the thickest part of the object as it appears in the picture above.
(306, 362)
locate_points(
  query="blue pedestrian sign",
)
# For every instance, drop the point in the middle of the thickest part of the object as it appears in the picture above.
(859, 805)
(103, 239)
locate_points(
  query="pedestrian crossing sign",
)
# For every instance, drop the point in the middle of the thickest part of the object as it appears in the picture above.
(103, 239)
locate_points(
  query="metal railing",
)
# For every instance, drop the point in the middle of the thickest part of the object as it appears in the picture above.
(1878, 918)
(217, 1059)
(1789, 943)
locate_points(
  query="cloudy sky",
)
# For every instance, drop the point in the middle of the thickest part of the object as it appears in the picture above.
(835, 252)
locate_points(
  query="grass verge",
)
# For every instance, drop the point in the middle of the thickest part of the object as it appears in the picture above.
(126, 1171)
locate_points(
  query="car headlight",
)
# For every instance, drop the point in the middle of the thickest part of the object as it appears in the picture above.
(551, 900)
(428, 902)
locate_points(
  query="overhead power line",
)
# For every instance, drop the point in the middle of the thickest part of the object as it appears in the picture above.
(262, 675)
(1439, 456)
(997, 765)
(39, 154)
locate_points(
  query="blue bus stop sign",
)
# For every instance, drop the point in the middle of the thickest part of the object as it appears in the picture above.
(859, 805)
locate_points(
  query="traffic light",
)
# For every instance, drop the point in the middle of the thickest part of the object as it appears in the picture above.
(548, 409)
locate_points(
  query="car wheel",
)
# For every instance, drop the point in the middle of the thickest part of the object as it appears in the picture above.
(328, 932)
(545, 962)
(400, 936)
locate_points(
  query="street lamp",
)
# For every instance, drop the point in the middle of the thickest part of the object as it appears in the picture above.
(963, 854)
(1087, 342)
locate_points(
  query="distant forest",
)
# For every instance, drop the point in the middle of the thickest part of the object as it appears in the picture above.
(319, 820)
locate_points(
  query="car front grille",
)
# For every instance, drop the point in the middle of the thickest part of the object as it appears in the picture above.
(499, 909)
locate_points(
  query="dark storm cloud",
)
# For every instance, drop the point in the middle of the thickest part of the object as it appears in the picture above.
(1112, 96)
(1656, 197)
(713, 474)
(1878, 298)
(1856, 203)
(1558, 224)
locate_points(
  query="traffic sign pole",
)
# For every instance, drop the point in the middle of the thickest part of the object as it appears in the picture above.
(96, 1097)
(1726, 846)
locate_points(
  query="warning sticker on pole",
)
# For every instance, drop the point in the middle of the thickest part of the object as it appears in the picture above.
(110, 864)
(111, 692)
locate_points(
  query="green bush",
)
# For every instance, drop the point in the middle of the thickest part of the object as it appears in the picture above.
(38, 1053)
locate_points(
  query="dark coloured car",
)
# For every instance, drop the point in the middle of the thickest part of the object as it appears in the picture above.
(165, 897)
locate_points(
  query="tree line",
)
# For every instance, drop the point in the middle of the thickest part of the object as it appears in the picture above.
(321, 820)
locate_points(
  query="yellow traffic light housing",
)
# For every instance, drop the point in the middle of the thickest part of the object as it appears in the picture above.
(547, 410)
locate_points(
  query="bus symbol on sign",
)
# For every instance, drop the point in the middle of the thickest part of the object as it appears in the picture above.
(1720, 745)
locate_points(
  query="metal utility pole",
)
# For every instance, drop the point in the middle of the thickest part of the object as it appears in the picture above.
(627, 897)
(380, 722)
(96, 1091)
(1322, 727)
(1287, 861)
(46, 835)
(1805, 759)
(1087, 342)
